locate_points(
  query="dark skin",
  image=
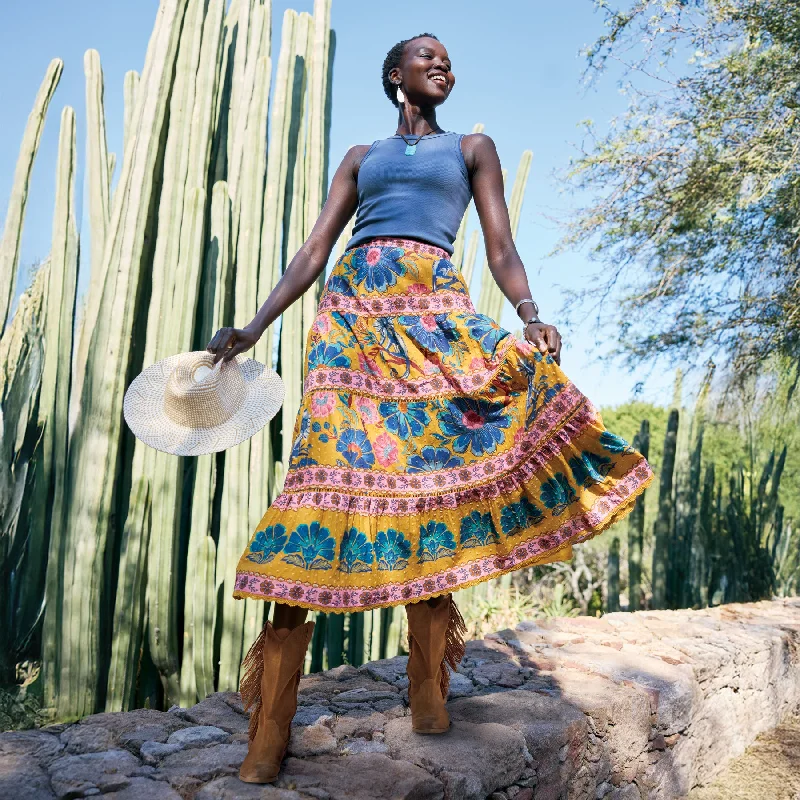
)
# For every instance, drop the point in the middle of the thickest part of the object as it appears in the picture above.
(426, 79)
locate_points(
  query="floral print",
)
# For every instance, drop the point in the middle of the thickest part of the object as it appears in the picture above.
(392, 550)
(310, 547)
(432, 448)
(355, 552)
(266, 544)
(435, 541)
(377, 268)
(476, 425)
(477, 530)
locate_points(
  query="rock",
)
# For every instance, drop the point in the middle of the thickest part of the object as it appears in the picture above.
(198, 736)
(364, 694)
(23, 779)
(130, 729)
(231, 788)
(389, 670)
(308, 715)
(186, 770)
(36, 746)
(140, 788)
(153, 752)
(73, 775)
(472, 760)
(555, 732)
(216, 712)
(359, 725)
(352, 747)
(311, 741)
(498, 674)
(629, 792)
(360, 777)
(460, 686)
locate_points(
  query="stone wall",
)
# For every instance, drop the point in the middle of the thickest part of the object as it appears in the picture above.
(626, 706)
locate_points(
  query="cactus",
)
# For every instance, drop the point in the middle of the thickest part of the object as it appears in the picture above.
(612, 595)
(17, 203)
(664, 521)
(21, 365)
(94, 447)
(469, 261)
(458, 244)
(130, 90)
(641, 442)
(491, 299)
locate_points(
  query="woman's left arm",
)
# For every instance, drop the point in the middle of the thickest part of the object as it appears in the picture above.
(505, 264)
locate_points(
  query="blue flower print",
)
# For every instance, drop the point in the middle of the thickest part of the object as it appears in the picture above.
(519, 516)
(477, 530)
(300, 455)
(310, 547)
(377, 267)
(392, 550)
(404, 419)
(267, 544)
(338, 284)
(356, 448)
(474, 424)
(327, 355)
(589, 468)
(446, 277)
(557, 493)
(614, 443)
(432, 459)
(486, 331)
(434, 332)
(355, 552)
(435, 541)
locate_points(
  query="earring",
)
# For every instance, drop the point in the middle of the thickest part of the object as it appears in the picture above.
(401, 98)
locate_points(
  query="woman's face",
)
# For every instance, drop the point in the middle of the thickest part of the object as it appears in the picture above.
(425, 72)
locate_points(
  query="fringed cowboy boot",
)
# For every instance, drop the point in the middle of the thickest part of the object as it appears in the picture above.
(270, 681)
(435, 640)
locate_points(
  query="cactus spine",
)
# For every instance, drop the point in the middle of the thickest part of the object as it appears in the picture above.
(15, 216)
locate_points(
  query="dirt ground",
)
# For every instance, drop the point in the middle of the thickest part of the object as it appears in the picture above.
(768, 770)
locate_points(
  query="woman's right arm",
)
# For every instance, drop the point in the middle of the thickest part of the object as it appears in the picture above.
(307, 264)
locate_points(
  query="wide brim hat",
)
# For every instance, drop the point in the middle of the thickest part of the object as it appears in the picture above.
(187, 405)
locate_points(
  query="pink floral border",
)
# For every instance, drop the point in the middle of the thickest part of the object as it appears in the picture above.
(430, 385)
(406, 244)
(450, 579)
(535, 447)
(428, 303)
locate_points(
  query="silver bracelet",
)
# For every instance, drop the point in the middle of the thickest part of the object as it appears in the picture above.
(532, 319)
(527, 300)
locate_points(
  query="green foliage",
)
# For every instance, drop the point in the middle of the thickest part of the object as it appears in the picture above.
(696, 188)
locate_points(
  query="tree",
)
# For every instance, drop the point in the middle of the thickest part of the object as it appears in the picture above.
(694, 213)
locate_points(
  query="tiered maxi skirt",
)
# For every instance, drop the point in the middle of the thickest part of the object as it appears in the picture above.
(432, 450)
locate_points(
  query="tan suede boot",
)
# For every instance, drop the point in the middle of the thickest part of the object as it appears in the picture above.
(271, 677)
(435, 639)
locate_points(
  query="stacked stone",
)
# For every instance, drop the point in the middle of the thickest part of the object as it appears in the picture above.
(627, 706)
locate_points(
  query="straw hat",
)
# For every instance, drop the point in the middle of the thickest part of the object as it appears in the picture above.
(187, 405)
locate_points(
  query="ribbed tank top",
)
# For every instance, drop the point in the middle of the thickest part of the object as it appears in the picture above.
(422, 197)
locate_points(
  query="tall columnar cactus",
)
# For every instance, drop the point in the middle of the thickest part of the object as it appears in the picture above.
(21, 365)
(47, 500)
(469, 260)
(641, 442)
(72, 627)
(612, 598)
(664, 520)
(130, 90)
(17, 203)
(491, 298)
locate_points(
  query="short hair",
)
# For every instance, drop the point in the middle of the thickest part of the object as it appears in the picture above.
(392, 60)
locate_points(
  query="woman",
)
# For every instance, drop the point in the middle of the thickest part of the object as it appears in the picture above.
(432, 449)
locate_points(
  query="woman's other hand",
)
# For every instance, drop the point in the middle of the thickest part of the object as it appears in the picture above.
(545, 338)
(229, 342)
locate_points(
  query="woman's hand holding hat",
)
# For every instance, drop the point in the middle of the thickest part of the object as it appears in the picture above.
(229, 342)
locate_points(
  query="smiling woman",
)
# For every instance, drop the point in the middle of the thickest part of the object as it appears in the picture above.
(432, 450)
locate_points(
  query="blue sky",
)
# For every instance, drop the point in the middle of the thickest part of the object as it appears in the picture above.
(517, 67)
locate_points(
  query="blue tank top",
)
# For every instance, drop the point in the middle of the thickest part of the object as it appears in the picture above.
(422, 197)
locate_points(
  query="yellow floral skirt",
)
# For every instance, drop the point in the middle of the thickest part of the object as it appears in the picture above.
(432, 449)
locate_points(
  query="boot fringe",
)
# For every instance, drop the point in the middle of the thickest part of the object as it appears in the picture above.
(250, 683)
(455, 646)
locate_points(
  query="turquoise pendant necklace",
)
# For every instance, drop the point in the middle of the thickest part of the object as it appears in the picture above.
(411, 147)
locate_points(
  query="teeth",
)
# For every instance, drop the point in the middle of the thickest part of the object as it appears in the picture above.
(439, 78)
